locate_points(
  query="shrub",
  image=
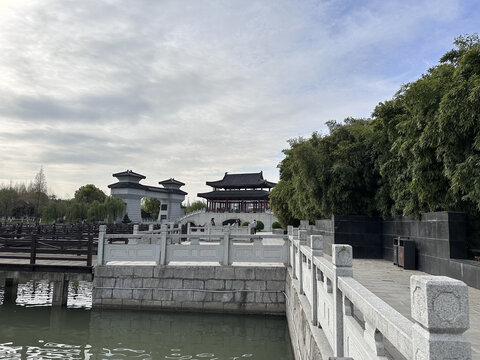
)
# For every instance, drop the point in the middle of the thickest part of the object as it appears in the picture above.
(276, 225)
(245, 223)
(126, 219)
(260, 225)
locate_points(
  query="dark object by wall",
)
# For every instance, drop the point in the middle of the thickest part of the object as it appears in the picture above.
(363, 233)
(439, 237)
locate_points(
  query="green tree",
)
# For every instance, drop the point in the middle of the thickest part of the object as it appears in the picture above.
(54, 210)
(76, 211)
(114, 208)
(151, 207)
(96, 211)
(38, 190)
(195, 206)
(8, 199)
(89, 193)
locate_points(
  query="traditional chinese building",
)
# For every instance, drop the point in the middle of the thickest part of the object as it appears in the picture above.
(129, 189)
(239, 193)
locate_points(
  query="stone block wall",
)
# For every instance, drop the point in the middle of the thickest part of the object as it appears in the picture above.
(363, 233)
(308, 341)
(253, 290)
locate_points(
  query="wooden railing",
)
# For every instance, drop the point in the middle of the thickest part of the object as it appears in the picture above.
(38, 244)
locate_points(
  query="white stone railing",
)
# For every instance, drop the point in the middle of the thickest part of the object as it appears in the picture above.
(166, 247)
(218, 230)
(360, 325)
(186, 216)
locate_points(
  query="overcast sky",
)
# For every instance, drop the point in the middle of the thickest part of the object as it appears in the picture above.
(191, 89)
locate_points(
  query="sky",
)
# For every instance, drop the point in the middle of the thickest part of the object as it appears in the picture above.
(192, 89)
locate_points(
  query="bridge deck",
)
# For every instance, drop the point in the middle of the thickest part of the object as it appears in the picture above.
(392, 285)
(54, 263)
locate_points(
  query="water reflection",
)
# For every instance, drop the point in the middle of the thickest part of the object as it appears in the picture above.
(32, 331)
(39, 293)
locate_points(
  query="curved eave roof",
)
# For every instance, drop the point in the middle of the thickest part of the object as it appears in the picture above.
(239, 181)
(235, 195)
(129, 173)
(171, 181)
(132, 185)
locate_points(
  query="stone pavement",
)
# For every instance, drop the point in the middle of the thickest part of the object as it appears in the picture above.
(392, 285)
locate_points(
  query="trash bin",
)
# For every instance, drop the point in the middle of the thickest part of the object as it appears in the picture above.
(395, 250)
(406, 254)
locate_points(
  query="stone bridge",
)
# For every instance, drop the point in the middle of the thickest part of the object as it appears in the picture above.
(203, 217)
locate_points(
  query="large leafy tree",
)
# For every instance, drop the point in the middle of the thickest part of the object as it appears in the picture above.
(150, 208)
(420, 152)
(89, 193)
(195, 206)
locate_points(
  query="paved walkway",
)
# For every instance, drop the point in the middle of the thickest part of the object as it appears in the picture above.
(392, 284)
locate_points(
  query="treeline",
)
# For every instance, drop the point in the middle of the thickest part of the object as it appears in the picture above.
(419, 152)
(32, 202)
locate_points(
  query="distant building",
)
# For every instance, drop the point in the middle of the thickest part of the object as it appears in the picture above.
(239, 193)
(129, 189)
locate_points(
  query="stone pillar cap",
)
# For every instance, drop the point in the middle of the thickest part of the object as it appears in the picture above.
(439, 303)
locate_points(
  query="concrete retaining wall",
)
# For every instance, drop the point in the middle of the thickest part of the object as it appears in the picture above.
(252, 290)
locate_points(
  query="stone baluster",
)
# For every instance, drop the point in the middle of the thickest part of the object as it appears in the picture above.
(295, 233)
(304, 224)
(342, 266)
(150, 228)
(302, 237)
(226, 249)
(163, 244)
(290, 230)
(188, 228)
(316, 244)
(135, 229)
(101, 235)
(440, 310)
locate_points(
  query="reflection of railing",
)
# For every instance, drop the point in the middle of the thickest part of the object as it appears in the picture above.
(358, 324)
(166, 247)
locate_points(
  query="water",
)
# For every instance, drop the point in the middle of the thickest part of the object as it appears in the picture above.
(30, 329)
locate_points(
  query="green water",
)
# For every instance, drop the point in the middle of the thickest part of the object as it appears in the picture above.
(31, 330)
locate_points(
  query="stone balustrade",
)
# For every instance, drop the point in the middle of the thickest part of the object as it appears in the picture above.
(358, 324)
(165, 247)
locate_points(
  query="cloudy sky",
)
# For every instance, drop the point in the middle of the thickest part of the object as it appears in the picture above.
(191, 89)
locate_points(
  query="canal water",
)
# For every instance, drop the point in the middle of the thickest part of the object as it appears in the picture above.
(31, 329)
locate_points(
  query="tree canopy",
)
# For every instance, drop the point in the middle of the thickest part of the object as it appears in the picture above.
(419, 152)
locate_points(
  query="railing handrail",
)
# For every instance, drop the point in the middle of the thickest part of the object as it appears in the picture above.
(393, 325)
(344, 308)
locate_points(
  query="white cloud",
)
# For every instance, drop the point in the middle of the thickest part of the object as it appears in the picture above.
(191, 89)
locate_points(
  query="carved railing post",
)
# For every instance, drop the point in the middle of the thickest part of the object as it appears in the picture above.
(163, 244)
(440, 309)
(101, 235)
(302, 237)
(316, 244)
(342, 260)
(226, 249)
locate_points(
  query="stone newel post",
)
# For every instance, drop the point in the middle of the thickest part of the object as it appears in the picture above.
(316, 244)
(342, 259)
(440, 310)
(302, 236)
(101, 234)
